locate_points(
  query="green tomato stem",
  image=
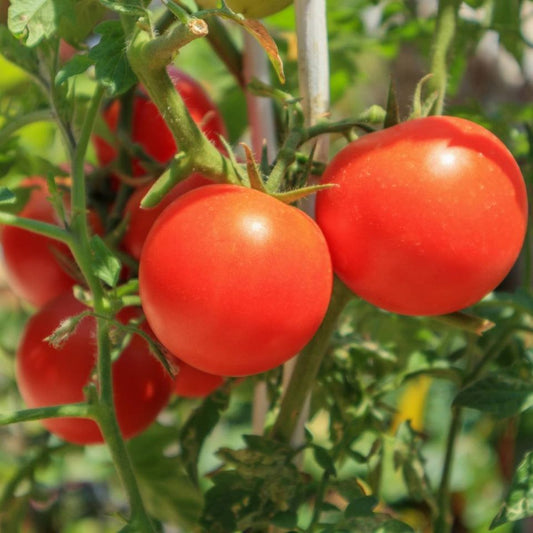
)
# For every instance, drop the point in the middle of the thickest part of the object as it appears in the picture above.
(148, 58)
(443, 522)
(76, 410)
(104, 406)
(36, 226)
(308, 365)
(444, 35)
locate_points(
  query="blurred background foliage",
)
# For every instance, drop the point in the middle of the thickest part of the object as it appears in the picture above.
(381, 410)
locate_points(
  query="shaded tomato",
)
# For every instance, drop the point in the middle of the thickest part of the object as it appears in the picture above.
(233, 281)
(49, 376)
(34, 266)
(149, 128)
(193, 383)
(141, 220)
(427, 217)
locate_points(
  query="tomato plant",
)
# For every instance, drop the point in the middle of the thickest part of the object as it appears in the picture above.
(252, 264)
(415, 223)
(149, 129)
(141, 220)
(26, 253)
(48, 375)
(382, 420)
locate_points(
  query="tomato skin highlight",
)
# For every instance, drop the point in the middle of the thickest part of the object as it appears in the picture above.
(141, 220)
(232, 281)
(149, 128)
(427, 217)
(49, 376)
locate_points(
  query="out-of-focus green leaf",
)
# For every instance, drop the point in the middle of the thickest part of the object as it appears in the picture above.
(501, 395)
(32, 20)
(111, 64)
(77, 65)
(107, 265)
(13, 50)
(167, 489)
(519, 501)
(199, 425)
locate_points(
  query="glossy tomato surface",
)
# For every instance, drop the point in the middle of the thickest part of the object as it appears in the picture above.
(49, 376)
(34, 264)
(149, 128)
(141, 220)
(193, 383)
(232, 281)
(427, 216)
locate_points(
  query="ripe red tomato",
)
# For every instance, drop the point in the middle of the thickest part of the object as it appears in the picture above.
(193, 383)
(141, 220)
(31, 261)
(49, 376)
(428, 216)
(149, 128)
(233, 281)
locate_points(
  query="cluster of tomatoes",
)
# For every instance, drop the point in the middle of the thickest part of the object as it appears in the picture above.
(422, 218)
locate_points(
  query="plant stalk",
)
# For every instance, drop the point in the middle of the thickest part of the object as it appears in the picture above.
(444, 35)
(308, 365)
(104, 408)
(443, 522)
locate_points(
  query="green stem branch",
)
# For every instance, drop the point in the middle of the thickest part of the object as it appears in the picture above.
(76, 410)
(308, 365)
(36, 226)
(148, 58)
(444, 35)
(443, 521)
(104, 407)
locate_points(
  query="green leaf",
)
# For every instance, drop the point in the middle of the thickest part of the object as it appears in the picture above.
(393, 109)
(409, 458)
(77, 65)
(499, 395)
(394, 526)
(16, 52)
(325, 461)
(76, 19)
(506, 20)
(519, 502)
(127, 7)
(32, 20)
(107, 265)
(112, 68)
(7, 196)
(199, 425)
(363, 506)
(166, 488)
(285, 519)
(254, 486)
